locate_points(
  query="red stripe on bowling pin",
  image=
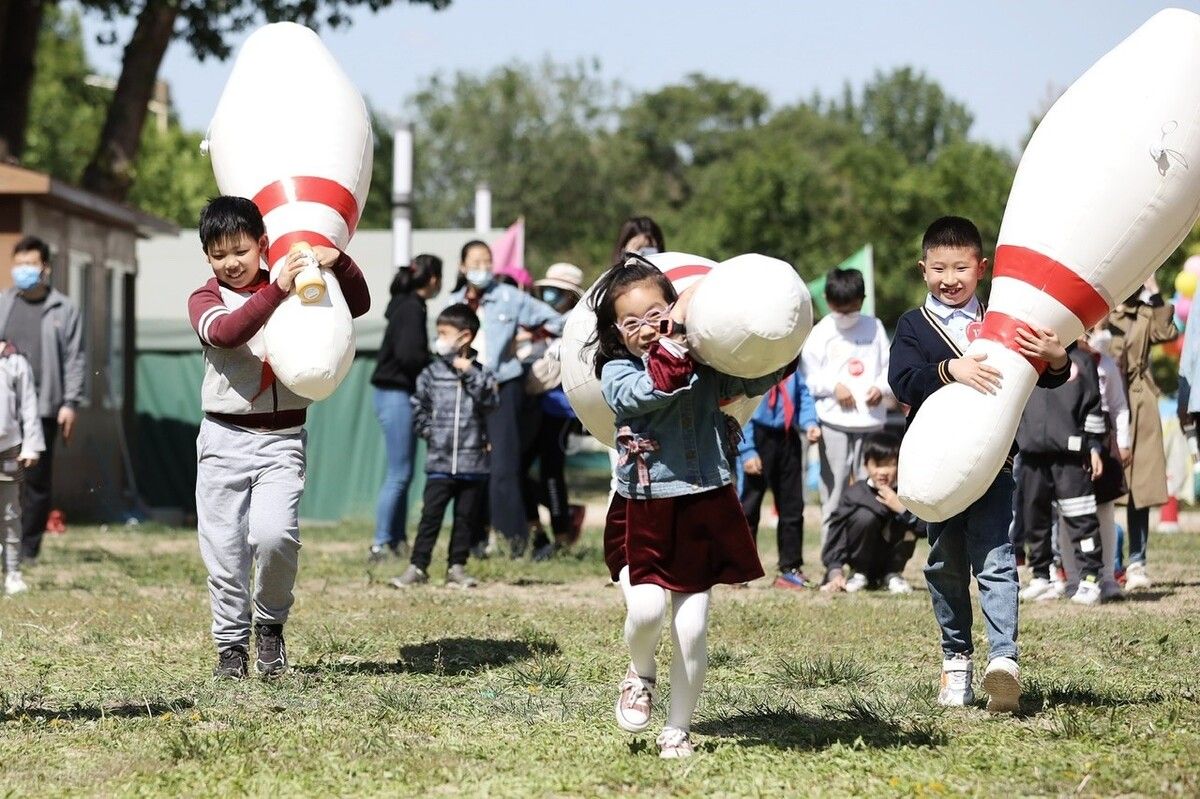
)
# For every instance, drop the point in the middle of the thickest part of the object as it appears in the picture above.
(281, 245)
(683, 272)
(1047, 275)
(307, 189)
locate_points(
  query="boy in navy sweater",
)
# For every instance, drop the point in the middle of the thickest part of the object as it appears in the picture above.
(772, 454)
(927, 353)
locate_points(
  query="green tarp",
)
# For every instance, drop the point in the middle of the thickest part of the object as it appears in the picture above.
(345, 444)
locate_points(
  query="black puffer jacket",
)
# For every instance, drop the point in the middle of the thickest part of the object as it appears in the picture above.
(448, 412)
(404, 351)
(1067, 419)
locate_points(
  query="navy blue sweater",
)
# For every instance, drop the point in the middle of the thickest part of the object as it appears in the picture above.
(920, 359)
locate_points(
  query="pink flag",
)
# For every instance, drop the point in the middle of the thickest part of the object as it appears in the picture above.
(508, 251)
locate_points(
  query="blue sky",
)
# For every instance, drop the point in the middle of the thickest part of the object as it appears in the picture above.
(1001, 58)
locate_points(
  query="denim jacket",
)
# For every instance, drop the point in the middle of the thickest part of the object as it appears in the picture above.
(501, 309)
(675, 442)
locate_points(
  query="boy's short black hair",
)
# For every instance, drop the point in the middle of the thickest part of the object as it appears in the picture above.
(881, 448)
(460, 317)
(844, 286)
(227, 217)
(952, 231)
(33, 244)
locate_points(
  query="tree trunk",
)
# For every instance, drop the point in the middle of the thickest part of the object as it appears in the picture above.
(110, 172)
(20, 24)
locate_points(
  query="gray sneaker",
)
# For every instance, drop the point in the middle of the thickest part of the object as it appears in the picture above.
(412, 576)
(457, 577)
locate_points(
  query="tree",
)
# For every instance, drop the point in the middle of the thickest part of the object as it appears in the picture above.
(20, 23)
(531, 133)
(204, 25)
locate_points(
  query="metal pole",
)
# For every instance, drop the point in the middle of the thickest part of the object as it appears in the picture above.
(402, 176)
(483, 208)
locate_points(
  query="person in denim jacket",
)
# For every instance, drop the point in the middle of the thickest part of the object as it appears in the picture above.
(676, 525)
(502, 309)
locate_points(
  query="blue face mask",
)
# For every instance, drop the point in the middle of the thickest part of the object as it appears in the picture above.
(26, 277)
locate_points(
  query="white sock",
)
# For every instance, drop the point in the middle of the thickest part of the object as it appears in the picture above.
(645, 610)
(689, 633)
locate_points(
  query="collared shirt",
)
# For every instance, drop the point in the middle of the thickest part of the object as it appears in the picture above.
(955, 320)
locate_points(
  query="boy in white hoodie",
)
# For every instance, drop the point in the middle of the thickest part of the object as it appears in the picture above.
(21, 443)
(846, 363)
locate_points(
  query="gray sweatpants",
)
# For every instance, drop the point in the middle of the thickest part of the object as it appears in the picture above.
(248, 488)
(10, 521)
(841, 458)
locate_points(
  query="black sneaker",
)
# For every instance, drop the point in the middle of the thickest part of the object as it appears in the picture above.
(272, 653)
(233, 663)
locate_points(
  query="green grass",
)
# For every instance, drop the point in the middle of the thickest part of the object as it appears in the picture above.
(507, 690)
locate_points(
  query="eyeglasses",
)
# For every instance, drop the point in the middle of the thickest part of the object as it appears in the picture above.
(657, 318)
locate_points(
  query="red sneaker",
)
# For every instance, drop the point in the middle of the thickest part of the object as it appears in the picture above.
(56, 523)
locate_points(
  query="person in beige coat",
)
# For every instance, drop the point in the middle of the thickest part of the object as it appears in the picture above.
(1137, 324)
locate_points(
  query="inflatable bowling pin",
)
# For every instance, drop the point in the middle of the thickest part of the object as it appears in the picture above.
(718, 324)
(1106, 190)
(292, 133)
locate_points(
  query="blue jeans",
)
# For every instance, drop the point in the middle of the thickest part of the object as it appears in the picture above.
(976, 540)
(393, 408)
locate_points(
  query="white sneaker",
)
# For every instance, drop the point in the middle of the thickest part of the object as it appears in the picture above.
(635, 701)
(955, 690)
(674, 743)
(1002, 682)
(1088, 593)
(14, 584)
(897, 584)
(1136, 578)
(1037, 587)
(857, 582)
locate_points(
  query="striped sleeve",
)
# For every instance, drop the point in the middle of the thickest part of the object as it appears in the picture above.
(218, 326)
(1094, 424)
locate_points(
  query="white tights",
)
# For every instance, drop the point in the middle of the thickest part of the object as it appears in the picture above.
(646, 609)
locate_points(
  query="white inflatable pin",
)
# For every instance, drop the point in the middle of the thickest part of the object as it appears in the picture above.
(292, 133)
(1108, 187)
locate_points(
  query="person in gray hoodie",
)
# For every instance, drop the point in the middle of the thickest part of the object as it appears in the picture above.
(45, 326)
(20, 446)
(451, 401)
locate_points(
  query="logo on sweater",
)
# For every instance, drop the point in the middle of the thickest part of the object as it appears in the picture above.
(855, 367)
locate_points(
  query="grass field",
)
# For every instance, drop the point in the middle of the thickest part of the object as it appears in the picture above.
(508, 690)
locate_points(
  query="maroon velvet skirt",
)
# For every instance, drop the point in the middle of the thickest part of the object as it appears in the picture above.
(686, 544)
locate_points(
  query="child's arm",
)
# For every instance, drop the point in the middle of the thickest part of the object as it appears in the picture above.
(480, 384)
(350, 278)
(218, 326)
(882, 349)
(910, 374)
(746, 449)
(630, 391)
(812, 358)
(33, 441)
(1090, 415)
(806, 408)
(422, 407)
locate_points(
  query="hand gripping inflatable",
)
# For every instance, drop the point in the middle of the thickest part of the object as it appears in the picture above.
(292, 133)
(717, 326)
(1107, 188)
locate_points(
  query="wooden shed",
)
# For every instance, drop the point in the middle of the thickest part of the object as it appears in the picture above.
(93, 259)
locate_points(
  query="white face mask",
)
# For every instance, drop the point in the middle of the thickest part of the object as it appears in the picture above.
(445, 348)
(479, 278)
(845, 321)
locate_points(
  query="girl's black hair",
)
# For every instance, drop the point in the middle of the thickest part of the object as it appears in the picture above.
(618, 280)
(462, 259)
(638, 226)
(417, 275)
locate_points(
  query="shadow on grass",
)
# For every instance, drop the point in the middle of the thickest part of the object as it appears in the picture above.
(1037, 698)
(78, 712)
(1155, 595)
(789, 728)
(441, 657)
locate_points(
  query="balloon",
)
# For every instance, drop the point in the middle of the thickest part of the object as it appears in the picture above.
(1192, 265)
(1183, 307)
(1185, 283)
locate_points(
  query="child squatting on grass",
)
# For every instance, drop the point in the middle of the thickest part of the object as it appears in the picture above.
(675, 525)
(927, 353)
(250, 450)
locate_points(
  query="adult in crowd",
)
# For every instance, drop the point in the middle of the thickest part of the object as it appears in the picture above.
(1136, 325)
(561, 289)
(403, 353)
(41, 323)
(503, 310)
